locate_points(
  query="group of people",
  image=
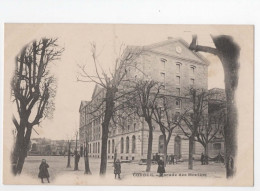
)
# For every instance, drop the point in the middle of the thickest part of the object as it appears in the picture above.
(117, 168)
(170, 159)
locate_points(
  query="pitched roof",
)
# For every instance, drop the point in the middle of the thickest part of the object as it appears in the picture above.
(194, 56)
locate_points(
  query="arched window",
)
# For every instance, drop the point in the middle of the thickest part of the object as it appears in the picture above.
(113, 146)
(161, 144)
(98, 147)
(133, 144)
(109, 146)
(127, 144)
(89, 148)
(122, 145)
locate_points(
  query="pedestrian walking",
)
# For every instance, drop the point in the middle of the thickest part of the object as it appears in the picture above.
(161, 168)
(202, 159)
(117, 168)
(44, 171)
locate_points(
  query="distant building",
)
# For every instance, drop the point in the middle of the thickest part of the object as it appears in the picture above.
(170, 62)
(42, 146)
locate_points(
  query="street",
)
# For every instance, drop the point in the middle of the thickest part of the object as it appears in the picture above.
(58, 167)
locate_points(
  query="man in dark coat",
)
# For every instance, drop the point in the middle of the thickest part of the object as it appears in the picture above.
(161, 168)
(117, 168)
(44, 171)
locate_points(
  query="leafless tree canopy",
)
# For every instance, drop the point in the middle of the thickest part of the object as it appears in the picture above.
(110, 82)
(32, 82)
(33, 89)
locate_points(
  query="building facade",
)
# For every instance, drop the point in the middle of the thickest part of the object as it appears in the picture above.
(169, 62)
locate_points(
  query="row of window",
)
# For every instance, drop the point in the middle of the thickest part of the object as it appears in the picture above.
(124, 146)
(94, 148)
(178, 77)
(178, 66)
(178, 80)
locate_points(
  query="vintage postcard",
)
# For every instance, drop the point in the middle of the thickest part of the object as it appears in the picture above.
(117, 104)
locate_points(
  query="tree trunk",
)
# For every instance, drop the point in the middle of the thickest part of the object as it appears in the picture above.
(16, 151)
(20, 162)
(87, 168)
(230, 130)
(165, 150)
(103, 163)
(191, 145)
(20, 150)
(230, 134)
(229, 54)
(150, 147)
(68, 164)
(76, 164)
(110, 96)
(206, 151)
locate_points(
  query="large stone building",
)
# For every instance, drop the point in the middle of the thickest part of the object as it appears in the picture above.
(170, 62)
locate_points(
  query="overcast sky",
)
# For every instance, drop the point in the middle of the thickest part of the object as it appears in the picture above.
(76, 39)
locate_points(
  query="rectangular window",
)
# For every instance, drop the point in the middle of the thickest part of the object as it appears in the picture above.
(192, 70)
(178, 104)
(192, 81)
(163, 61)
(178, 68)
(178, 91)
(178, 80)
(163, 76)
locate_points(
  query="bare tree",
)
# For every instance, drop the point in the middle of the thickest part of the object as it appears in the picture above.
(143, 104)
(192, 118)
(110, 83)
(167, 121)
(207, 131)
(33, 89)
(212, 124)
(228, 52)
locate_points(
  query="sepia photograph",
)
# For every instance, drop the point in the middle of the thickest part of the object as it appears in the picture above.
(128, 104)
